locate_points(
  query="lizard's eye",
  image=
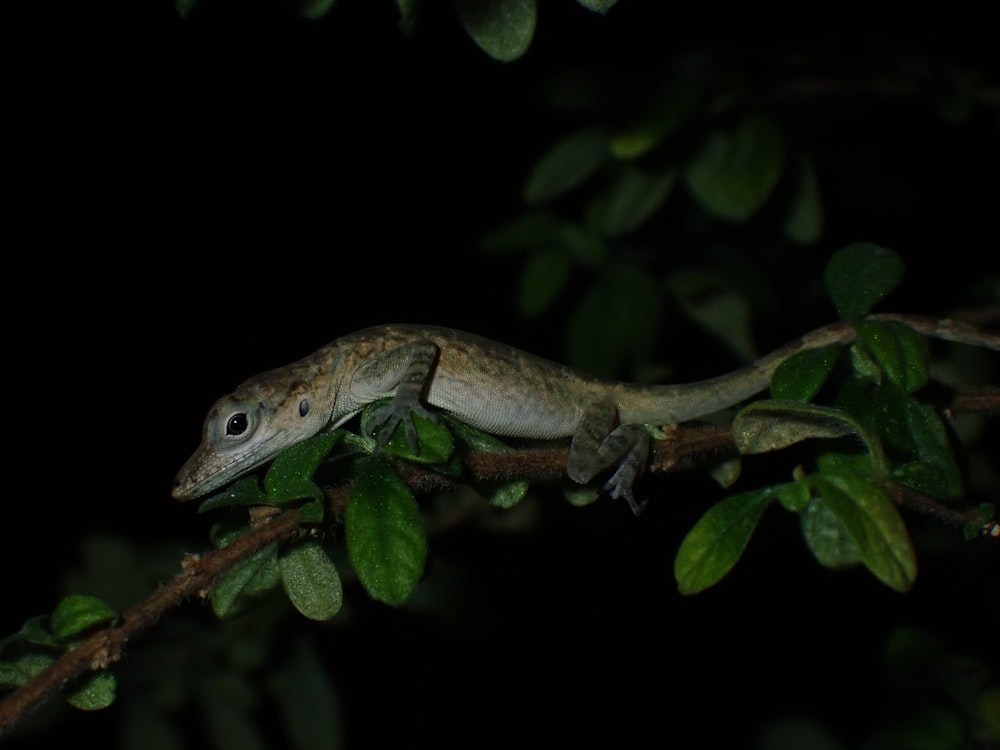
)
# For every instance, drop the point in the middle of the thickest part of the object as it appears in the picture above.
(303, 407)
(237, 424)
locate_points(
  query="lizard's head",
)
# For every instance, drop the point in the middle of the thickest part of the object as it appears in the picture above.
(249, 427)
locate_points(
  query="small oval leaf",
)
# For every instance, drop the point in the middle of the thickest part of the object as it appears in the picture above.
(77, 613)
(734, 174)
(567, 164)
(543, 277)
(503, 29)
(615, 320)
(859, 275)
(96, 691)
(900, 352)
(385, 537)
(717, 541)
(799, 378)
(871, 519)
(633, 198)
(311, 580)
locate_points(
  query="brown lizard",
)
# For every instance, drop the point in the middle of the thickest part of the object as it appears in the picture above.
(488, 385)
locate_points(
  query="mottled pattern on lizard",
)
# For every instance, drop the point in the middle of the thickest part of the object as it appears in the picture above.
(488, 385)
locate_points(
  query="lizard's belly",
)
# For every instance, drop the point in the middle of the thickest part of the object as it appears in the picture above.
(507, 408)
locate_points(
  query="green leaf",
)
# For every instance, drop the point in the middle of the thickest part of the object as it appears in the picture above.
(528, 232)
(799, 378)
(503, 29)
(900, 352)
(764, 426)
(408, 11)
(859, 275)
(804, 224)
(828, 540)
(184, 7)
(632, 199)
(710, 300)
(873, 523)
(24, 669)
(35, 631)
(245, 491)
(615, 321)
(313, 9)
(504, 494)
(915, 430)
(291, 473)
(734, 174)
(312, 512)
(717, 541)
(307, 699)
(580, 497)
(311, 580)
(598, 6)
(793, 496)
(543, 277)
(385, 538)
(434, 440)
(96, 691)
(253, 576)
(566, 165)
(77, 613)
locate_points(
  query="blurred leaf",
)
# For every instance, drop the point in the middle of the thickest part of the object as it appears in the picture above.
(78, 612)
(408, 10)
(569, 162)
(35, 631)
(617, 319)
(307, 699)
(717, 541)
(543, 277)
(632, 199)
(871, 519)
(710, 300)
(859, 275)
(526, 233)
(734, 174)
(385, 538)
(227, 703)
(313, 9)
(988, 709)
(94, 692)
(828, 540)
(145, 726)
(184, 7)
(793, 496)
(670, 109)
(900, 352)
(503, 29)
(598, 6)
(804, 224)
(797, 734)
(799, 378)
(311, 580)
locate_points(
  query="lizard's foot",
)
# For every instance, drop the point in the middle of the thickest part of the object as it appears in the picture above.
(618, 487)
(386, 417)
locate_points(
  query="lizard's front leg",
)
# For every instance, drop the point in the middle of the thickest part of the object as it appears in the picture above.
(406, 371)
(598, 444)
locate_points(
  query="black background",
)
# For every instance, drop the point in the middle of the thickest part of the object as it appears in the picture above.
(190, 202)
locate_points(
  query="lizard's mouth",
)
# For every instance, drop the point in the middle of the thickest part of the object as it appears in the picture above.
(209, 468)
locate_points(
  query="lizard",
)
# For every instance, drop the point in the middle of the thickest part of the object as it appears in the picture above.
(489, 385)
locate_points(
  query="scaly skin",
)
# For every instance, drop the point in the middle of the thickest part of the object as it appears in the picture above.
(494, 387)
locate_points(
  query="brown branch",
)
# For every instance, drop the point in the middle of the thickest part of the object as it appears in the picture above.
(198, 574)
(685, 446)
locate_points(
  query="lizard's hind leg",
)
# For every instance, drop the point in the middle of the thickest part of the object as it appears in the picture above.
(598, 444)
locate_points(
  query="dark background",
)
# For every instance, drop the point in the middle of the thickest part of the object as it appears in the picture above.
(190, 202)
